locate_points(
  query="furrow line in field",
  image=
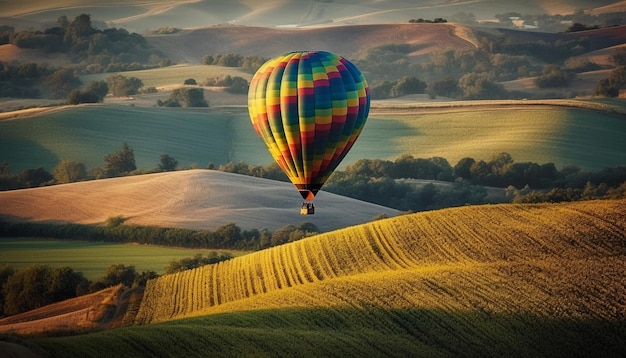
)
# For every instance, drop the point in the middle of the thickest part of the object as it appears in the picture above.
(211, 276)
(298, 271)
(367, 251)
(327, 260)
(277, 268)
(251, 280)
(383, 239)
(442, 242)
(298, 262)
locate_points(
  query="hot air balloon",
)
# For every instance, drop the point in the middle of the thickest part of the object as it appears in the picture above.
(308, 107)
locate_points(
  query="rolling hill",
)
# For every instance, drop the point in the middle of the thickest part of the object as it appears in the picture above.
(191, 45)
(140, 16)
(194, 199)
(518, 280)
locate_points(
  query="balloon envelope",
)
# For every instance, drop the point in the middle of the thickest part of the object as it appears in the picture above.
(308, 108)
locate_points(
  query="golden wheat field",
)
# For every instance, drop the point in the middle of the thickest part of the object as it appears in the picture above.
(552, 260)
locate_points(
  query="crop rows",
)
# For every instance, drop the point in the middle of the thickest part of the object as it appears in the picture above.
(498, 258)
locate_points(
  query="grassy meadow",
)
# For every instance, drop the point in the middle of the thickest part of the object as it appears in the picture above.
(565, 136)
(451, 282)
(90, 258)
(174, 75)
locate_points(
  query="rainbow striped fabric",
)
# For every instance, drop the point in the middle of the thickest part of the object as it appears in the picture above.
(309, 107)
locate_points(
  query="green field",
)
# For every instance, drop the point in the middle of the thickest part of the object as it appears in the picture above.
(174, 75)
(565, 136)
(87, 134)
(90, 258)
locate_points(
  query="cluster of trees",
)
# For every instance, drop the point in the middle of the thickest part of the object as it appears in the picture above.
(557, 22)
(437, 20)
(402, 87)
(229, 236)
(120, 162)
(190, 97)
(94, 50)
(39, 285)
(610, 86)
(248, 63)
(196, 261)
(555, 195)
(476, 74)
(233, 84)
(24, 81)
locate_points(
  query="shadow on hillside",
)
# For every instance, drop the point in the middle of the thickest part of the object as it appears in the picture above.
(359, 332)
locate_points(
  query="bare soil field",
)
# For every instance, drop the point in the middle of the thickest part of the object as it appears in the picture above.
(194, 199)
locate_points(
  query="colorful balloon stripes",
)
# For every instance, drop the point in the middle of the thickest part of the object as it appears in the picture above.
(308, 108)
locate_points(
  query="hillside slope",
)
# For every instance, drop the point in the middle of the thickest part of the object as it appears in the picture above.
(194, 199)
(191, 45)
(142, 15)
(501, 280)
(562, 260)
(77, 314)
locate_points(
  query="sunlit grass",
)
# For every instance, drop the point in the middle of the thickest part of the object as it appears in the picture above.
(589, 139)
(491, 257)
(90, 258)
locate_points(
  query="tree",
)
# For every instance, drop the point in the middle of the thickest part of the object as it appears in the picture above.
(190, 81)
(6, 271)
(192, 97)
(69, 171)
(119, 274)
(239, 85)
(618, 57)
(123, 86)
(480, 86)
(65, 283)
(168, 163)
(93, 93)
(39, 285)
(61, 83)
(407, 85)
(448, 87)
(26, 289)
(553, 76)
(120, 162)
(98, 88)
(31, 178)
(462, 169)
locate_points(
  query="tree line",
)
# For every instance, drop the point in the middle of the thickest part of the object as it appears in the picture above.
(117, 163)
(229, 236)
(373, 180)
(384, 182)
